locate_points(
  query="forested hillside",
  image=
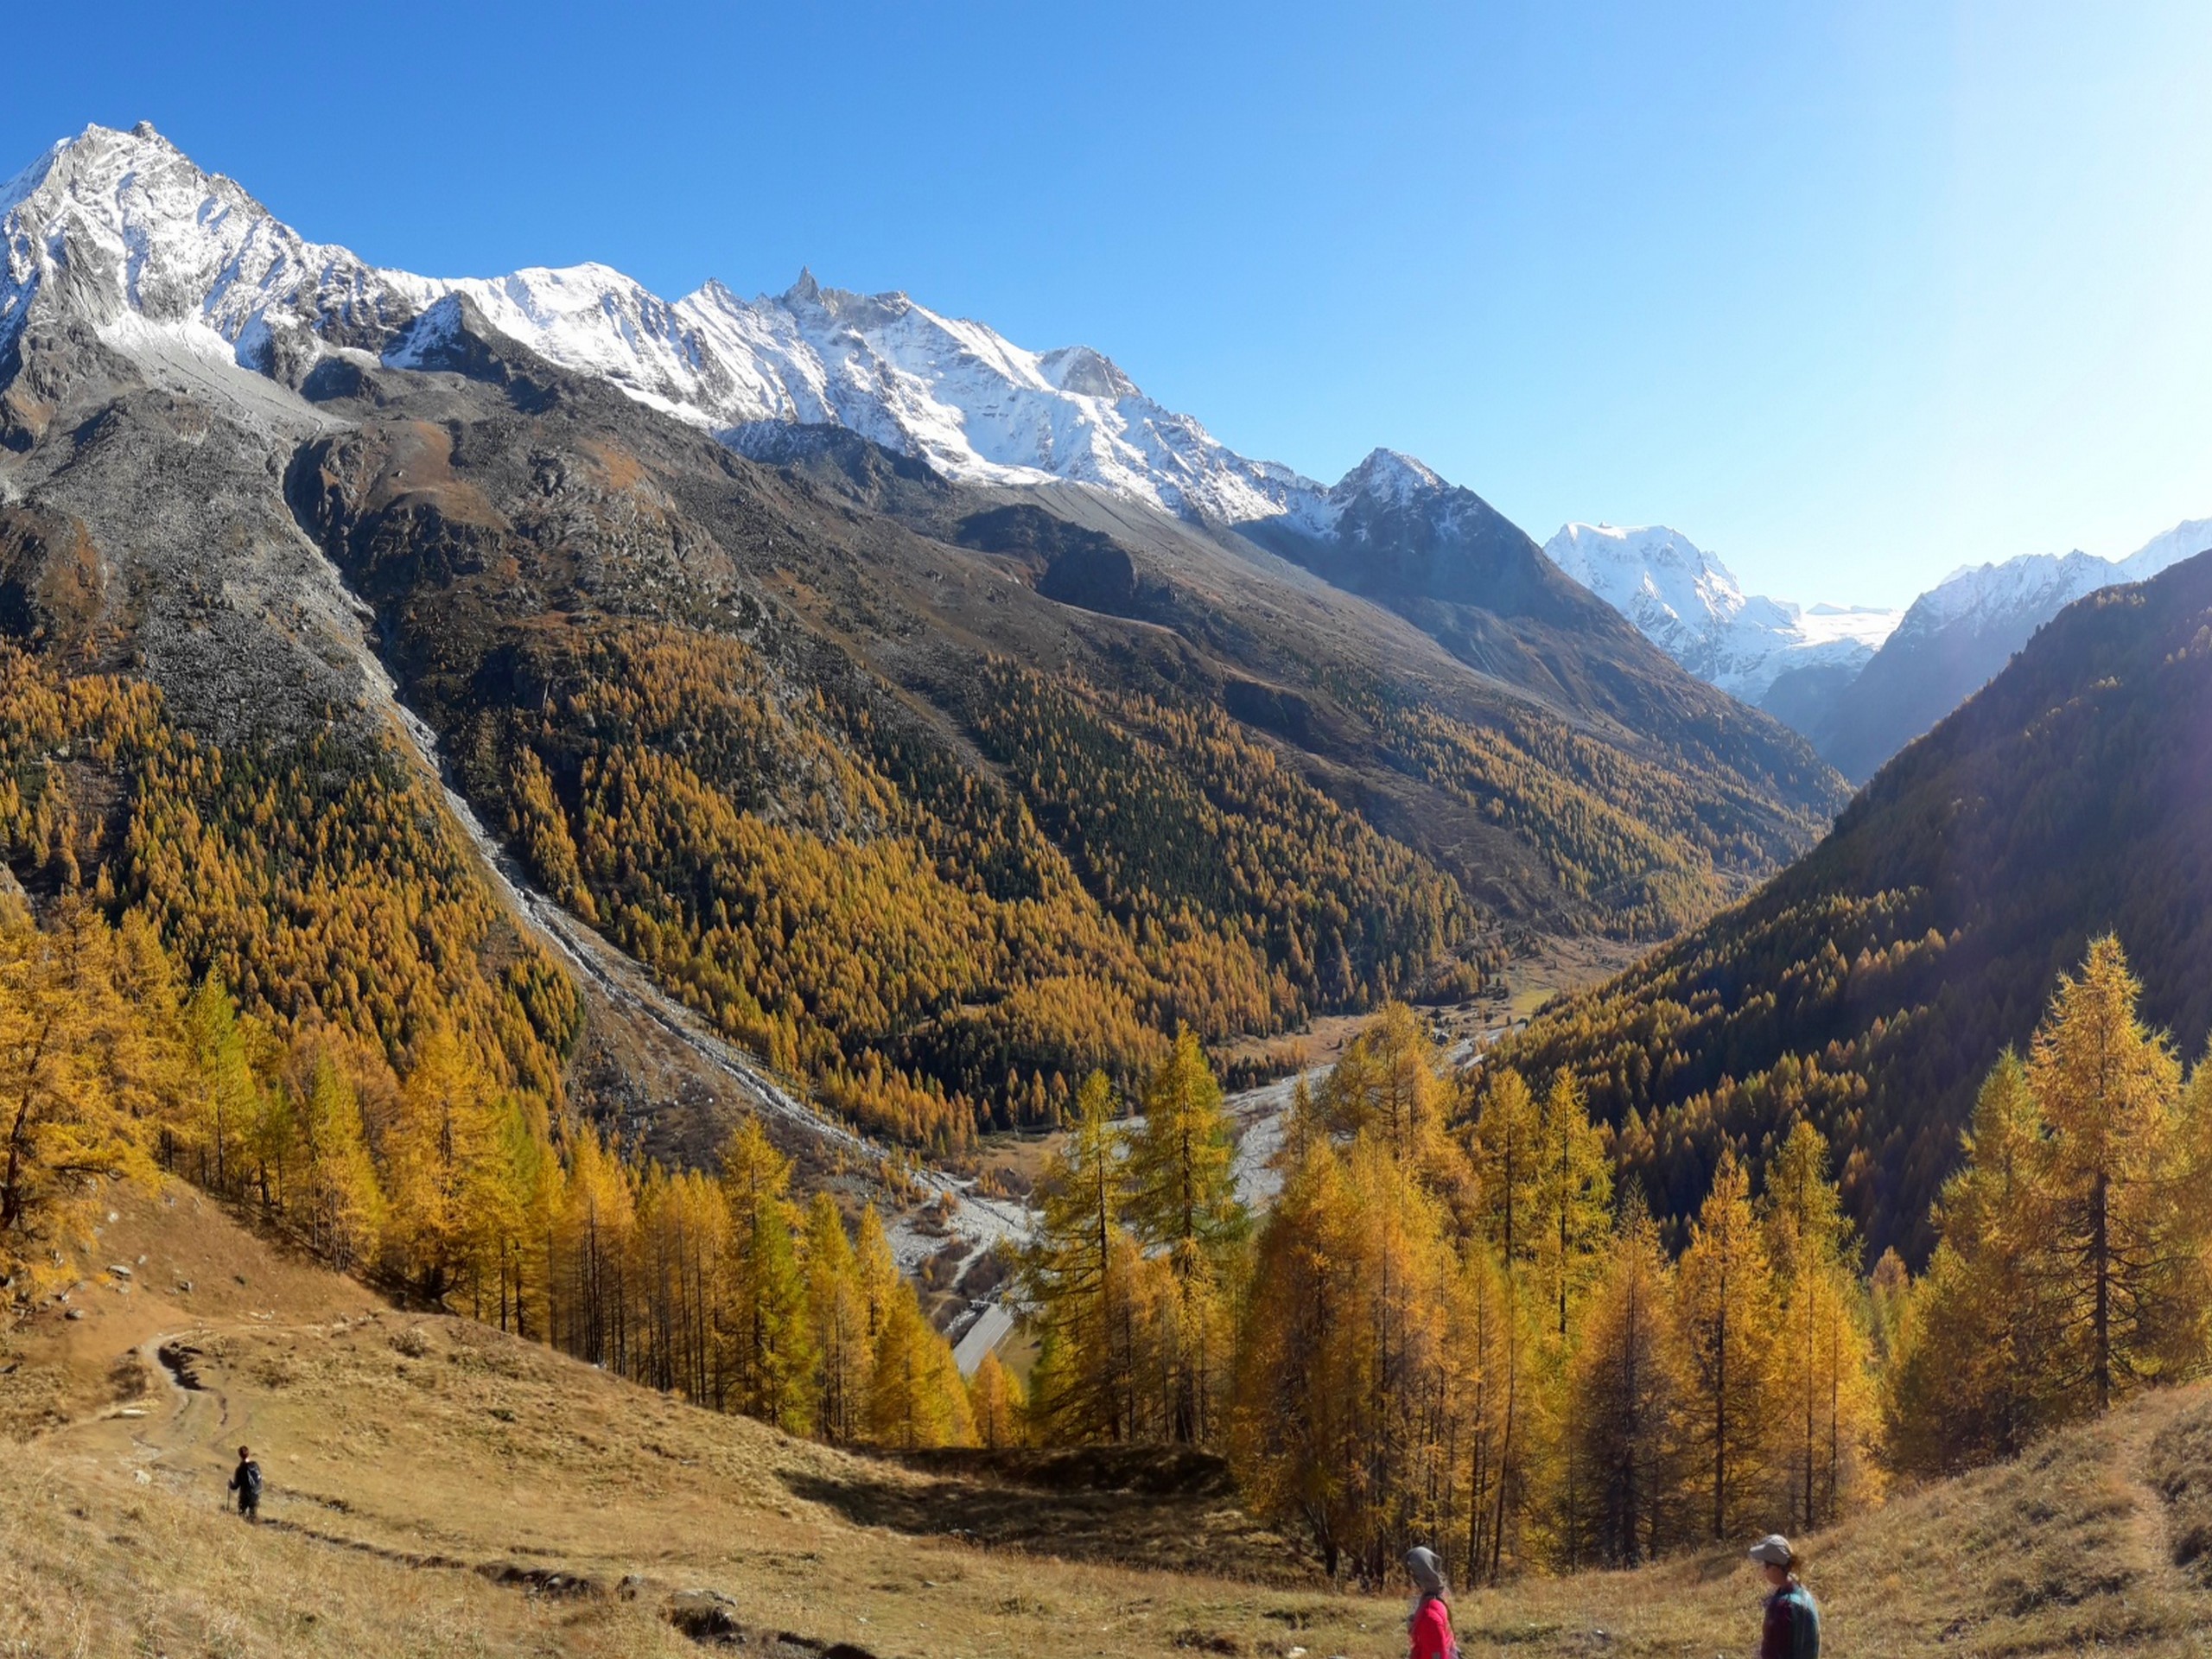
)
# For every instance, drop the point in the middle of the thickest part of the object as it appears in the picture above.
(318, 881)
(382, 1431)
(944, 828)
(1453, 1326)
(1870, 986)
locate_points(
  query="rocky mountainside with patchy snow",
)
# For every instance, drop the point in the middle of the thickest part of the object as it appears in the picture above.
(184, 269)
(893, 499)
(1690, 604)
(175, 263)
(188, 277)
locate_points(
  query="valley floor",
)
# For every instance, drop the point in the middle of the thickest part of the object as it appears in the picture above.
(438, 1488)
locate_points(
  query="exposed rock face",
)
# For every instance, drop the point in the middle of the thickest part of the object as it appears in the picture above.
(150, 532)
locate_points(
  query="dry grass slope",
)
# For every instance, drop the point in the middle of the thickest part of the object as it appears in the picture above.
(437, 1487)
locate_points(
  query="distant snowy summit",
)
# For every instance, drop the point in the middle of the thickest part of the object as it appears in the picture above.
(1861, 683)
(1960, 633)
(2038, 586)
(1691, 606)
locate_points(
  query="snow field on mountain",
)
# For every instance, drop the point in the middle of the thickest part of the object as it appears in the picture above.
(1690, 604)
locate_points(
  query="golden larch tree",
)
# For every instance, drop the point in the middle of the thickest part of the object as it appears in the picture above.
(1824, 1360)
(2108, 1089)
(767, 1350)
(1182, 1207)
(1629, 1385)
(1726, 1309)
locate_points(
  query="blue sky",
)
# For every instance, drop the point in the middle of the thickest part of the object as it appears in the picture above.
(1850, 294)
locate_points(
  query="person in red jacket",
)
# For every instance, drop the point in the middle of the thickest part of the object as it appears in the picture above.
(1429, 1623)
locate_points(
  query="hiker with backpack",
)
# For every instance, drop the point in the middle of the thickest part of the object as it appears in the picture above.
(245, 1481)
(1428, 1625)
(1792, 1630)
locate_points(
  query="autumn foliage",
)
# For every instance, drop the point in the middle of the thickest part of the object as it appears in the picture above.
(1461, 1323)
(2075, 1261)
(938, 948)
(279, 972)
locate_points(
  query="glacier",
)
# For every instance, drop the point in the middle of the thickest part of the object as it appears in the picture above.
(1689, 604)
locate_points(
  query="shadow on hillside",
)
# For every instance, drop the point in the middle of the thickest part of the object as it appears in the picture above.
(1151, 1471)
(1133, 1507)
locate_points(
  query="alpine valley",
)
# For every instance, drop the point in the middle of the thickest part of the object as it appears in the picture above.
(773, 974)
(1870, 987)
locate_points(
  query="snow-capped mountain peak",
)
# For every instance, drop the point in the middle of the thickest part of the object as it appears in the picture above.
(125, 232)
(1086, 373)
(1385, 481)
(955, 392)
(1388, 476)
(122, 229)
(2038, 586)
(2184, 541)
(2042, 582)
(1690, 604)
(1667, 567)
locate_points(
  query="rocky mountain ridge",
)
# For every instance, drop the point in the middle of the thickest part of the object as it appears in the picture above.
(1958, 635)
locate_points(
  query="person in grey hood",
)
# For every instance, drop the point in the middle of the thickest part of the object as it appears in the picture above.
(1429, 1623)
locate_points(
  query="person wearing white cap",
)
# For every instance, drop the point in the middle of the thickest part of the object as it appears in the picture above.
(1793, 1618)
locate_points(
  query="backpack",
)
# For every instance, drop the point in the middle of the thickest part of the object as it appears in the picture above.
(250, 1482)
(1804, 1623)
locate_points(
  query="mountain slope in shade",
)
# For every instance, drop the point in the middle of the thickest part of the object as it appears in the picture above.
(1871, 984)
(1960, 632)
(1690, 604)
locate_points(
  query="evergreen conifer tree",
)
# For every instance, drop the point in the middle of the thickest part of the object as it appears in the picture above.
(768, 1346)
(1631, 1392)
